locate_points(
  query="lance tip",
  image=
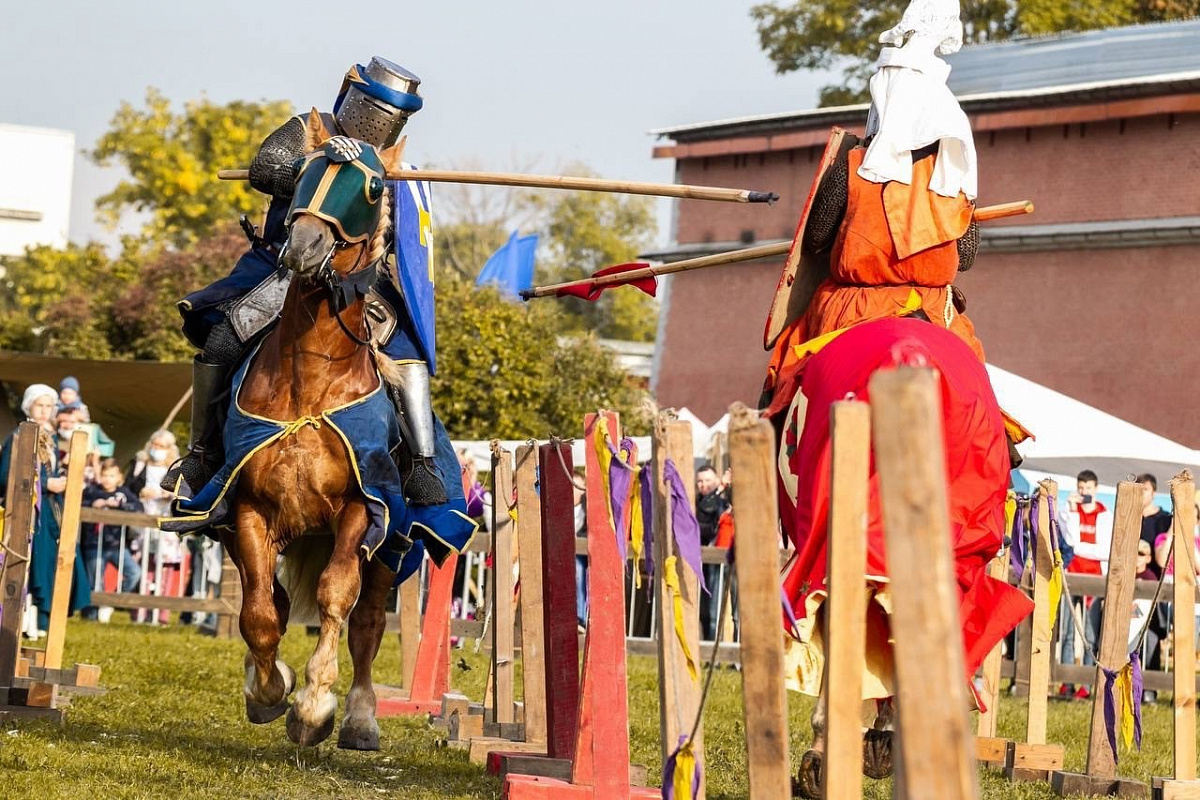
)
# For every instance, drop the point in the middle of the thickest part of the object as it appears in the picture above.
(762, 197)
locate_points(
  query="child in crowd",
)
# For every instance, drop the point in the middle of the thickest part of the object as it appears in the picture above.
(104, 544)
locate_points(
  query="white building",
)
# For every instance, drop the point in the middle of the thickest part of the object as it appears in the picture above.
(36, 167)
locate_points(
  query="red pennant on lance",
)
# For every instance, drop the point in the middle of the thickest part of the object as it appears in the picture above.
(647, 284)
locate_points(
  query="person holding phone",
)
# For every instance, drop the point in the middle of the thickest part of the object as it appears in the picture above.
(1089, 529)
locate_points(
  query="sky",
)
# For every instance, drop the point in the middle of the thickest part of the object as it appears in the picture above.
(505, 83)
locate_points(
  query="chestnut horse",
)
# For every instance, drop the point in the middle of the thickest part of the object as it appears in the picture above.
(304, 485)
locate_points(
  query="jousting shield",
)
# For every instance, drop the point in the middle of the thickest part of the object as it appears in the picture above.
(804, 271)
(414, 261)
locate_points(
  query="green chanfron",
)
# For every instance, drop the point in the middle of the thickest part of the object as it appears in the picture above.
(343, 192)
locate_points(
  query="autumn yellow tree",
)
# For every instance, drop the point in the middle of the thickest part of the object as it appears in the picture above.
(172, 159)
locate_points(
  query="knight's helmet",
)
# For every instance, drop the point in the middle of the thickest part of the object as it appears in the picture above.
(376, 100)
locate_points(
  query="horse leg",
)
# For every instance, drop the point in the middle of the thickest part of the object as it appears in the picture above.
(808, 778)
(367, 620)
(310, 720)
(877, 742)
(268, 680)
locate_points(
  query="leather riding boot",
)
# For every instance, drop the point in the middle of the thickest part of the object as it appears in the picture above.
(418, 476)
(204, 450)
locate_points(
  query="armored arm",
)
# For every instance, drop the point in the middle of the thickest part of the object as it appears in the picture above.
(828, 207)
(273, 170)
(968, 246)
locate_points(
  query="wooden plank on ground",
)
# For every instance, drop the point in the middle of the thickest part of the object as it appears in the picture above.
(19, 519)
(44, 694)
(939, 763)
(756, 519)
(503, 612)
(678, 692)
(529, 539)
(846, 631)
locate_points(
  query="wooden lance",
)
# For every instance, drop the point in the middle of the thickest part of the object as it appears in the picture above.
(984, 214)
(563, 182)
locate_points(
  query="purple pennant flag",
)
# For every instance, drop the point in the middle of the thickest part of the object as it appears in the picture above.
(1110, 710)
(1136, 660)
(648, 522)
(683, 523)
(619, 478)
(668, 775)
(1016, 550)
(789, 614)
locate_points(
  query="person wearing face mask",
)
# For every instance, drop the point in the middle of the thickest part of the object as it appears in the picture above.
(165, 552)
(38, 405)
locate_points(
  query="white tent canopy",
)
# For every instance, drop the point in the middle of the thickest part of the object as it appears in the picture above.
(1072, 436)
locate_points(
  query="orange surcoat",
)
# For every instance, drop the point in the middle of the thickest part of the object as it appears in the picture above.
(894, 239)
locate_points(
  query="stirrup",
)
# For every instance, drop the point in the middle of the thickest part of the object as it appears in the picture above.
(422, 486)
(188, 473)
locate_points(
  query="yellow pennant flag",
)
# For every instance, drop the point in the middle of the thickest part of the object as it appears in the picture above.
(1010, 513)
(637, 530)
(1055, 588)
(685, 770)
(1123, 688)
(671, 576)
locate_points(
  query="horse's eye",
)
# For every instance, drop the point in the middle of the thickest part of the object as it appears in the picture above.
(375, 190)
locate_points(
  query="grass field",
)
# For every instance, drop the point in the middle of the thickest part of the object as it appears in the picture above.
(172, 725)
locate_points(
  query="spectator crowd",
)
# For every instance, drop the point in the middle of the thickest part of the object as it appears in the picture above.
(109, 557)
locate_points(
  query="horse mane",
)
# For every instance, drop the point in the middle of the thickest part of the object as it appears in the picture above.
(377, 249)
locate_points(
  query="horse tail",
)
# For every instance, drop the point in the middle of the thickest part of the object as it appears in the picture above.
(303, 562)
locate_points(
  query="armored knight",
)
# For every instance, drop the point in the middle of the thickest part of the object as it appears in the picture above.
(225, 318)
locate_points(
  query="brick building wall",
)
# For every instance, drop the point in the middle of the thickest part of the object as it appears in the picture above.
(1118, 328)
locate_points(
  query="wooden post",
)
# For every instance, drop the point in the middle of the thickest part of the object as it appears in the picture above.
(561, 626)
(1183, 643)
(602, 743)
(529, 535)
(846, 632)
(19, 520)
(431, 678)
(45, 694)
(1101, 775)
(938, 762)
(1034, 759)
(756, 518)
(599, 766)
(991, 750)
(410, 628)
(678, 693)
(231, 596)
(503, 613)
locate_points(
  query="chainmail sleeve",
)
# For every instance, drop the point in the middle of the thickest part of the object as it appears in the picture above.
(828, 207)
(968, 246)
(272, 171)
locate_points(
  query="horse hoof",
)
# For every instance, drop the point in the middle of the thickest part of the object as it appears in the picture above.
(358, 738)
(808, 779)
(877, 754)
(306, 735)
(260, 715)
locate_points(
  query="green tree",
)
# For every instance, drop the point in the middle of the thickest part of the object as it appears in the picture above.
(172, 159)
(505, 371)
(820, 34)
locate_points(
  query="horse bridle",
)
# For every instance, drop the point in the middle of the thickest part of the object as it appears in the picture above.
(344, 289)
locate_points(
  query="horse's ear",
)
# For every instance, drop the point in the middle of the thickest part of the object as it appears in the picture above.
(393, 157)
(315, 132)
